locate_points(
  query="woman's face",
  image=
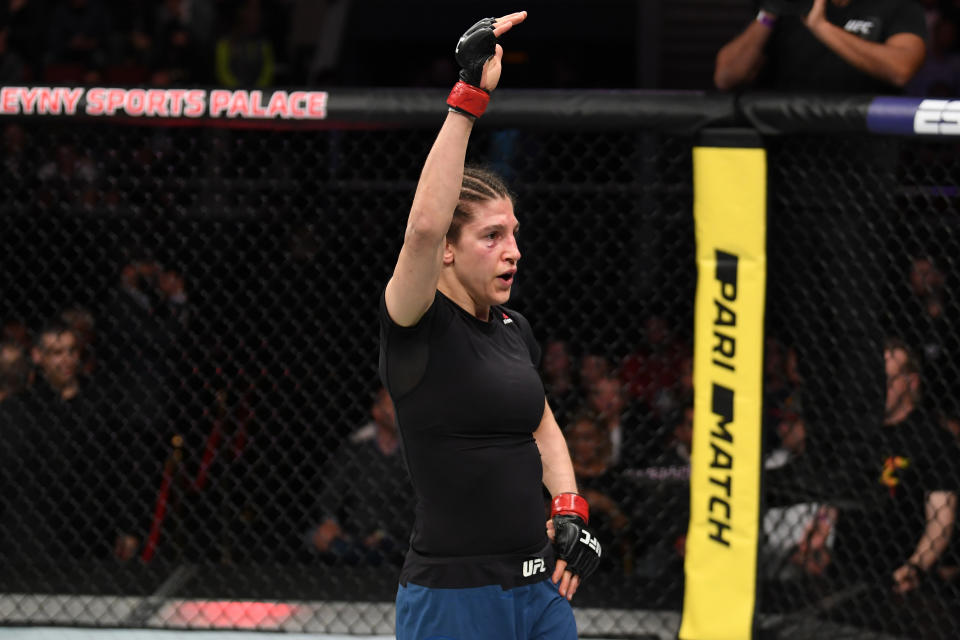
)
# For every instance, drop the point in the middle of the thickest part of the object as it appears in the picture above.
(485, 256)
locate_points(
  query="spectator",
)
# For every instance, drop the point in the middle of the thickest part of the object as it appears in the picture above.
(56, 354)
(368, 502)
(21, 25)
(556, 368)
(622, 420)
(142, 339)
(16, 374)
(590, 446)
(660, 484)
(75, 497)
(791, 432)
(16, 331)
(776, 375)
(912, 440)
(82, 323)
(77, 41)
(797, 533)
(177, 48)
(607, 400)
(909, 493)
(594, 366)
(680, 444)
(71, 176)
(781, 390)
(143, 327)
(244, 57)
(910, 496)
(846, 46)
(651, 373)
(317, 28)
(926, 322)
(131, 42)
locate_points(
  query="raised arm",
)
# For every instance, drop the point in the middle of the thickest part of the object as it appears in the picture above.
(412, 288)
(894, 61)
(740, 60)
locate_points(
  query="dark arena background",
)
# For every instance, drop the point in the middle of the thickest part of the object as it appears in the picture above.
(216, 254)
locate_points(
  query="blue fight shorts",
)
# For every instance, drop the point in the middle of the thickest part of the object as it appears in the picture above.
(530, 612)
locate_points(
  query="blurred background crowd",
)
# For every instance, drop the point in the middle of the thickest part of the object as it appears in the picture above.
(263, 43)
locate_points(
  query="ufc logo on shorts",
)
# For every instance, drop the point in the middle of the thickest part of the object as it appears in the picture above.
(531, 567)
(591, 542)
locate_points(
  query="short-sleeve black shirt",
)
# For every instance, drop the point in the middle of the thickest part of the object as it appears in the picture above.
(797, 61)
(468, 399)
(904, 462)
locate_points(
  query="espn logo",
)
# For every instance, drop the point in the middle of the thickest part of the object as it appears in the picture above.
(937, 117)
(532, 567)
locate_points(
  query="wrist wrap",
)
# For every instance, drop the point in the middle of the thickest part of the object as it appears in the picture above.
(468, 99)
(766, 19)
(570, 504)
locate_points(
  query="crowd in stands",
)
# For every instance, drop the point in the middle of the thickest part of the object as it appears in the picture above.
(262, 43)
(111, 381)
(161, 43)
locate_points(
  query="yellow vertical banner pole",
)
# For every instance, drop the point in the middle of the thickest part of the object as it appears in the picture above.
(730, 195)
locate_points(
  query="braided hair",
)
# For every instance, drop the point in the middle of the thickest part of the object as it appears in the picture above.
(479, 185)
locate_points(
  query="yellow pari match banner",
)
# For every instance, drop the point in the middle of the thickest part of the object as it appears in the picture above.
(723, 535)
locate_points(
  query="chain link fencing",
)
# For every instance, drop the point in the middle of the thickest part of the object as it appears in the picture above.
(861, 388)
(193, 422)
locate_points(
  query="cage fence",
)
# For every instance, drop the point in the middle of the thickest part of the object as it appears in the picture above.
(191, 405)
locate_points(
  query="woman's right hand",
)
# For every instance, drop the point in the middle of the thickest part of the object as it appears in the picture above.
(492, 67)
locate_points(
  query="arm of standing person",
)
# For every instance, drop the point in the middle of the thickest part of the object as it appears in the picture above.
(895, 61)
(740, 60)
(577, 548)
(412, 288)
(940, 508)
(558, 475)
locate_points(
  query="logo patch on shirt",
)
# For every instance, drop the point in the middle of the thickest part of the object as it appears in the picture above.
(891, 467)
(860, 27)
(506, 319)
(531, 567)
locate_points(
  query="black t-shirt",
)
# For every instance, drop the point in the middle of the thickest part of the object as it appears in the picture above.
(65, 478)
(797, 61)
(468, 398)
(903, 463)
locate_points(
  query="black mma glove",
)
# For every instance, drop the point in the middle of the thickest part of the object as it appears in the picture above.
(572, 541)
(475, 47)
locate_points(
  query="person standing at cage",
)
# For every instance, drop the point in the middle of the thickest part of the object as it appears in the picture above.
(479, 438)
(845, 46)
